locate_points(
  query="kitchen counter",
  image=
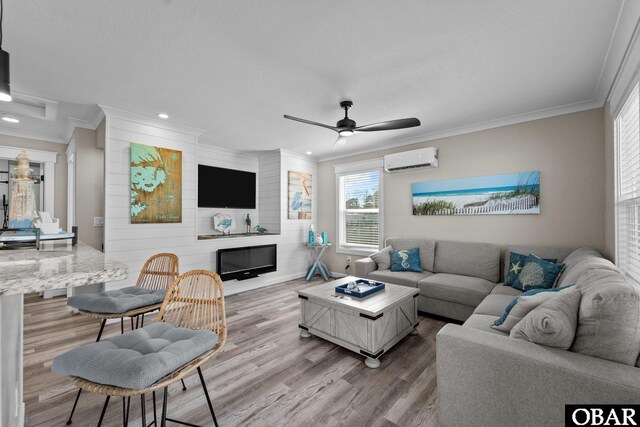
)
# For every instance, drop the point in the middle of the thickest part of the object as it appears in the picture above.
(55, 265)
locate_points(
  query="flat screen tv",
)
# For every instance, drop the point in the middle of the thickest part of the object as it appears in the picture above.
(246, 262)
(226, 188)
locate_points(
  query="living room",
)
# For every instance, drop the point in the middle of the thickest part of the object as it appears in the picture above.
(157, 129)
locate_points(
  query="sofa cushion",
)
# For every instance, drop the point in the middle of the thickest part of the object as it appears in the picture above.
(511, 304)
(552, 323)
(520, 307)
(427, 249)
(503, 289)
(136, 359)
(537, 273)
(516, 263)
(586, 264)
(468, 259)
(405, 278)
(117, 301)
(558, 252)
(406, 260)
(483, 322)
(494, 305)
(383, 258)
(609, 317)
(455, 288)
(574, 258)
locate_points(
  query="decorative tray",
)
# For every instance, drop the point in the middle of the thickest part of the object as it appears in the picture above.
(363, 288)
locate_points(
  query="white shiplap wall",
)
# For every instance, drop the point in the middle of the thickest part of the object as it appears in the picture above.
(134, 243)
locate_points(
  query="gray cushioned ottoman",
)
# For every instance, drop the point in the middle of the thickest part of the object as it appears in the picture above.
(136, 359)
(118, 301)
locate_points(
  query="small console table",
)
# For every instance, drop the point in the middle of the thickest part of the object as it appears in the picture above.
(318, 267)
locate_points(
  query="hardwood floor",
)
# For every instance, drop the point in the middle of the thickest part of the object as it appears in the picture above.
(266, 375)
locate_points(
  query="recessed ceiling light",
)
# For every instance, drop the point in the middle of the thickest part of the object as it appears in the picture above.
(10, 119)
(309, 153)
(163, 115)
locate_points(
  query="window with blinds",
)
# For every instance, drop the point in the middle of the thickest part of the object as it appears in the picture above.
(359, 210)
(627, 131)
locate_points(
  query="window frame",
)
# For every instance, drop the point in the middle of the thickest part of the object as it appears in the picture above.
(623, 204)
(345, 169)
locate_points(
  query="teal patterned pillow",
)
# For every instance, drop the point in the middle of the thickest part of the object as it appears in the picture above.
(406, 260)
(516, 262)
(537, 273)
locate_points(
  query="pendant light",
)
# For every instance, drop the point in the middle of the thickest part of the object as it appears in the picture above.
(5, 86)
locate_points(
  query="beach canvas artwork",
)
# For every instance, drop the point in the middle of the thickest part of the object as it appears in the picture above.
(508, 194)
(156, 185)
(299, 206)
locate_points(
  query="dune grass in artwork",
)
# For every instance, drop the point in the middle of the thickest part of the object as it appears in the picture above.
(517, 193)
(156, 185)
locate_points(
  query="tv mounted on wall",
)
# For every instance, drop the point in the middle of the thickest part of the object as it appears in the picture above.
(226, 188)
(246, 262)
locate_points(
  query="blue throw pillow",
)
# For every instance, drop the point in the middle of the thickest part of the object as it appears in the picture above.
(537, 273)
(514, 301)
(406, 260)
(516, 263)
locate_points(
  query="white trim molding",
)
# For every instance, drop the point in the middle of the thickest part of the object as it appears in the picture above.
(150, 121)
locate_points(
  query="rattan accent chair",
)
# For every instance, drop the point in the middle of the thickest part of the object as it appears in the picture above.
(158, 272)
(195, 301)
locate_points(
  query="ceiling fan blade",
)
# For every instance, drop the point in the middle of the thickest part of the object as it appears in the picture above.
(389, 125)
(309, 122)
(340, 141)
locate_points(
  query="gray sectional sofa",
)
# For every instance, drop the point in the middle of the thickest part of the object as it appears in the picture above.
(485, 377)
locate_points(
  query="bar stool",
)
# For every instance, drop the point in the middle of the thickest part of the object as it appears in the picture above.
(191, 329)
(156, 276)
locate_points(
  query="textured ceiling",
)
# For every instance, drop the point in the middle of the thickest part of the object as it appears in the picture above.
(234, 68)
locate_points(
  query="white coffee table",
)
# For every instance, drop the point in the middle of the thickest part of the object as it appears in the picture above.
(369, 326)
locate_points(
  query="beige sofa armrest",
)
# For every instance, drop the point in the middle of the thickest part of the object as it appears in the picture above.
(486, 379)
(364, 266)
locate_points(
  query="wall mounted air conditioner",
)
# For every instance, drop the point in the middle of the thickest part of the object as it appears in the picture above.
(414, 159)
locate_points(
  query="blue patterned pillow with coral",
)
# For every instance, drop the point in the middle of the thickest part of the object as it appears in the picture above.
(537, 273)
(516, 263)
(406, 260)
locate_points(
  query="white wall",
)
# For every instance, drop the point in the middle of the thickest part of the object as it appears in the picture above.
(134, 243)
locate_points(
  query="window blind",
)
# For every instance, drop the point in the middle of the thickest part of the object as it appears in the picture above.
(627, 128)
(359, 209)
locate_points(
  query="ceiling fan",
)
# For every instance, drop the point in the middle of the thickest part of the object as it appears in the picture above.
(346, 127)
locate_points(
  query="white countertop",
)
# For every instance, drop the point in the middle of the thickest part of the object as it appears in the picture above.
(56, 265)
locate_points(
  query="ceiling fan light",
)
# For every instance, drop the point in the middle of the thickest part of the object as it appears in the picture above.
(5, 86)
(10, 119)
(345, 132)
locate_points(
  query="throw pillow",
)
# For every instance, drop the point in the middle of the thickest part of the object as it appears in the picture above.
(516, 263)
(507, 310)
(537, 273)
(383, 258)
(552, 323)
(609, 317)
(406, 260)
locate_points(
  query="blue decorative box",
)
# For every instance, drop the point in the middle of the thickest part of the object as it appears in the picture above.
(364, 288)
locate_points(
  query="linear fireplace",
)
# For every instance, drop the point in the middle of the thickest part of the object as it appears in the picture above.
(246, 262)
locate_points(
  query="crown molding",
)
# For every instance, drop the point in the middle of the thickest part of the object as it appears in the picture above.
(476, 127)
(149, 121)
(32, 135)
